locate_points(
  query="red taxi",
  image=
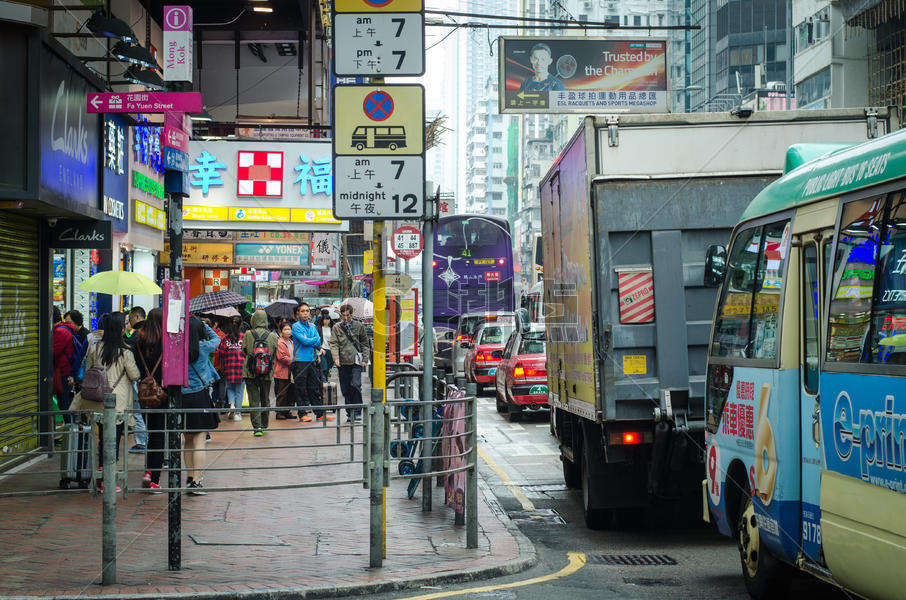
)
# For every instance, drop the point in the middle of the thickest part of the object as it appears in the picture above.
(521, 377)
(485, 351)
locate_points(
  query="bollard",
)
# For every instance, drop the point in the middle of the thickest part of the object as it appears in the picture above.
(471, 398)
(108, 519)
(472, 477)
(376, 480)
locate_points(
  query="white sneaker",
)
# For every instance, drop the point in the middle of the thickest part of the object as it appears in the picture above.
(237, 417)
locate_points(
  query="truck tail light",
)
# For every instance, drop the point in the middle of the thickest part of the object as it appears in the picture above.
(629, 438)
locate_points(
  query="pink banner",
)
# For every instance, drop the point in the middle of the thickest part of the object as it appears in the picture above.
(175, 361)
(174, 138)
(453, 444)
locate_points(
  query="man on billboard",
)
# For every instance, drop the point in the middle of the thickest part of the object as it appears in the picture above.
(541, 58)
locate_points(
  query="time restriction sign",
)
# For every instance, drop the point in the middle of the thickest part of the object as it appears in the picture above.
(407, 242)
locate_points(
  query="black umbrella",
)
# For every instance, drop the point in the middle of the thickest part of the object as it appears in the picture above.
(283, 307)
(214, 300)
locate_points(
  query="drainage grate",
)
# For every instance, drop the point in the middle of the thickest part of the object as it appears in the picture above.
(232, 540)
(541, 516)
(545, 487)
(630, 560)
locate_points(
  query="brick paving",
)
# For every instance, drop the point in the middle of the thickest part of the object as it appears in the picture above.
(297, 542)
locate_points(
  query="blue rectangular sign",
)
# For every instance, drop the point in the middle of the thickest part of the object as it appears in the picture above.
(175, 160)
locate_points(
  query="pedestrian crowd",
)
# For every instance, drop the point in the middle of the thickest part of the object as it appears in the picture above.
(230, 359)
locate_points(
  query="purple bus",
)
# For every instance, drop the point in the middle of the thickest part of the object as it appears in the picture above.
(473, 266)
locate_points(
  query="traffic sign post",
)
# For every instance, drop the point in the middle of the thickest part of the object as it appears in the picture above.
(407, 242)
(378, 145)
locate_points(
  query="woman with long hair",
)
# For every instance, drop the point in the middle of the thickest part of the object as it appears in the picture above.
(203, 341)
(115, 357)
(148, 351)
(230, 358)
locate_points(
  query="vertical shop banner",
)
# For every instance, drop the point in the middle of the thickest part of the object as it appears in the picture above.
(177, 43)
(583, 75)
(115, 197)
(68, 136)
(175, 355)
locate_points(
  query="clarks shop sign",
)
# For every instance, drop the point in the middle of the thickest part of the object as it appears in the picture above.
(69, 136)
(81, 234)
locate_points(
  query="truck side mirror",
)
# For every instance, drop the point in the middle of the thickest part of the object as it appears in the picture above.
(522, 320)
(715, 265)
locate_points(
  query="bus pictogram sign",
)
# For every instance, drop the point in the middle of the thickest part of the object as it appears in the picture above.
(378, 3)
(378, 105)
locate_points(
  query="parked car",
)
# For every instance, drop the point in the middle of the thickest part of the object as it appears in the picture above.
(465, 331)
(485, 351)
(443, 349)
(521, 378)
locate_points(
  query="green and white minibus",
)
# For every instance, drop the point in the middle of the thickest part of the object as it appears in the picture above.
(806, 384)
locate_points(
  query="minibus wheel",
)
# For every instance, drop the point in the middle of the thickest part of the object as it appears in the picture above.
(765, 576)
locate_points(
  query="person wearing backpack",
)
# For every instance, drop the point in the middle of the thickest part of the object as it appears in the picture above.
(260, 348)
(109, 368)
(148, 357)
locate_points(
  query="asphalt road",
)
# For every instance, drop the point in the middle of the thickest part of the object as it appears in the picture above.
(687, 559)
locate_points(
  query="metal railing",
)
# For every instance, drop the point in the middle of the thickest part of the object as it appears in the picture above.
(421, 440)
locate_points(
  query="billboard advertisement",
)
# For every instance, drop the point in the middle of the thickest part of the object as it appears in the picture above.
(583, 75)
(286, 186)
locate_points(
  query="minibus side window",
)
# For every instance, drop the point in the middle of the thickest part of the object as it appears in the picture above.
(766, 308)
(852, 281)
(888, 321)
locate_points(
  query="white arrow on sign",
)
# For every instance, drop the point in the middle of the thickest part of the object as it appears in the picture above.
(96, 101)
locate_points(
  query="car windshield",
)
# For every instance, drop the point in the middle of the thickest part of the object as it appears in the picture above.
(495, 334)
(470, 233)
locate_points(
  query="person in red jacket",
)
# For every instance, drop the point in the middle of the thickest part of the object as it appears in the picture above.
(62, 354)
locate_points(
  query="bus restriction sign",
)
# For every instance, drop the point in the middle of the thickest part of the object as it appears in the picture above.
(407, 242)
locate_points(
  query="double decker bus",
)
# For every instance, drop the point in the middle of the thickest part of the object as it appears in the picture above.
(805, 409)
(473, 267)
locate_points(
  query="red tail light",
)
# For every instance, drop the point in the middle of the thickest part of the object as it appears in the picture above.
(500, 261)
(631, 437)
(533, 372)
(434, 263)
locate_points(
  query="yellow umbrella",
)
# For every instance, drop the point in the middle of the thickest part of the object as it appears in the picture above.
(119, 283)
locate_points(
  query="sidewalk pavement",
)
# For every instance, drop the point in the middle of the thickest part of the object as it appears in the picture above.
(285, 543)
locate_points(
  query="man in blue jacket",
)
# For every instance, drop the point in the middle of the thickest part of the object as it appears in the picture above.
(306, 371)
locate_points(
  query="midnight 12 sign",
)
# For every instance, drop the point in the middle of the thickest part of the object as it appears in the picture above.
(379, 152)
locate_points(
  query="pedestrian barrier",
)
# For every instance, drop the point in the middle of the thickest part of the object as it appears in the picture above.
(430, 439)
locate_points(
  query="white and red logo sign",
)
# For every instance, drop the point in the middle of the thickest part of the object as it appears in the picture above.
(260, 173)
(407, 242)
(492, 275)
(636, 297)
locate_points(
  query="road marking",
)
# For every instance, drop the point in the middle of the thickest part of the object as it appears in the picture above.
(505, 479)
(576, 562)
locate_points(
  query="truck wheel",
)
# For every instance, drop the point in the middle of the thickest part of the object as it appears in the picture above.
(765, 576)
(595, 518)
(571, 476)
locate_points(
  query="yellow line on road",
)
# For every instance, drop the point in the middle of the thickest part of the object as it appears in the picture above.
(515, 489)
(576, 562)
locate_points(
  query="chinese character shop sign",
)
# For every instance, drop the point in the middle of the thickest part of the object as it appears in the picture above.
(115, 197)
(290, 183)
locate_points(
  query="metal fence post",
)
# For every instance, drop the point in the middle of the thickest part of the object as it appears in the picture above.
(472, 477)
(376, 479)
(108, 519)
(174, 481)
(471, 392)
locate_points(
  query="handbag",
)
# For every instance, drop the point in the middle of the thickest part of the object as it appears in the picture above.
(150, 393)
(95, 383)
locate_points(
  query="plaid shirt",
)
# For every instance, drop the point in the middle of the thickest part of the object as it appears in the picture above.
(231, 359)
